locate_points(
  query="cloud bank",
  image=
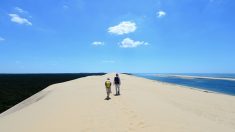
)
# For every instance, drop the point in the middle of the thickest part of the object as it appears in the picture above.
(19, 20)
(129, 43)
(124, 27)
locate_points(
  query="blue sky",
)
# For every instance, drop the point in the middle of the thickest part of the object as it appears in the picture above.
(163, 36)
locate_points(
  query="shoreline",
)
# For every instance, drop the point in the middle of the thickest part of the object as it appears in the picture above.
(188, 87)
(200, 77)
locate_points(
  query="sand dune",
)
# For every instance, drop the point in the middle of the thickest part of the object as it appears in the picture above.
(144, 106)
(199, 77)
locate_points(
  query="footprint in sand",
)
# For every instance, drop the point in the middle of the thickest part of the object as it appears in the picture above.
(86, 130)
(131, 129)
(133, 116)
(136, 125)
(141, 124)
(135, 122)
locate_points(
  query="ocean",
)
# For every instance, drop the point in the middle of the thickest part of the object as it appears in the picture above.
(220, 83)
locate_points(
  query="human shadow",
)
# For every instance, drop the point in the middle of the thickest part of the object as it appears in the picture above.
(107, 98)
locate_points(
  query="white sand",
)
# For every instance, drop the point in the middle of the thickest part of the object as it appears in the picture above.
(144, 106)
(200, 77)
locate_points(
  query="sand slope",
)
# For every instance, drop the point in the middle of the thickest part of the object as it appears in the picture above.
(144, 106)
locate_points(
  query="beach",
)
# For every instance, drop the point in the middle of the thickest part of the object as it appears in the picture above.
(144, 106)
(200, 77)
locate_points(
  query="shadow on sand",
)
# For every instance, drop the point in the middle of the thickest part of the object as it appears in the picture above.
(116, 94)
(107, 98)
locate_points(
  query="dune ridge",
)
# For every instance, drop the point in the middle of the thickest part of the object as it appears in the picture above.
(144, 105)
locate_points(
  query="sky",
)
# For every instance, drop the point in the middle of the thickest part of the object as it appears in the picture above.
(144, 36)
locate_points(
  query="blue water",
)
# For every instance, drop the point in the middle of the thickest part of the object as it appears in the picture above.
(216, 85)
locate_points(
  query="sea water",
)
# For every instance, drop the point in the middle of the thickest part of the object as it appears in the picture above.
(221, 83)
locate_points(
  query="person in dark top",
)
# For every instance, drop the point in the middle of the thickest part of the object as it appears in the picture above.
(117, 83)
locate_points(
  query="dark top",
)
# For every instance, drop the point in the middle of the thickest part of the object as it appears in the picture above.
(116, 80)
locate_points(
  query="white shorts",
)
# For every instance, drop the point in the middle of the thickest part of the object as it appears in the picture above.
(108, 90)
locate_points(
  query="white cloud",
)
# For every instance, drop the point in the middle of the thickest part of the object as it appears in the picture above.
(161, 14)
(17, 19)
(97, 43)
(124, 27)
(1, 39)
(19, 10)
(129, 43)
